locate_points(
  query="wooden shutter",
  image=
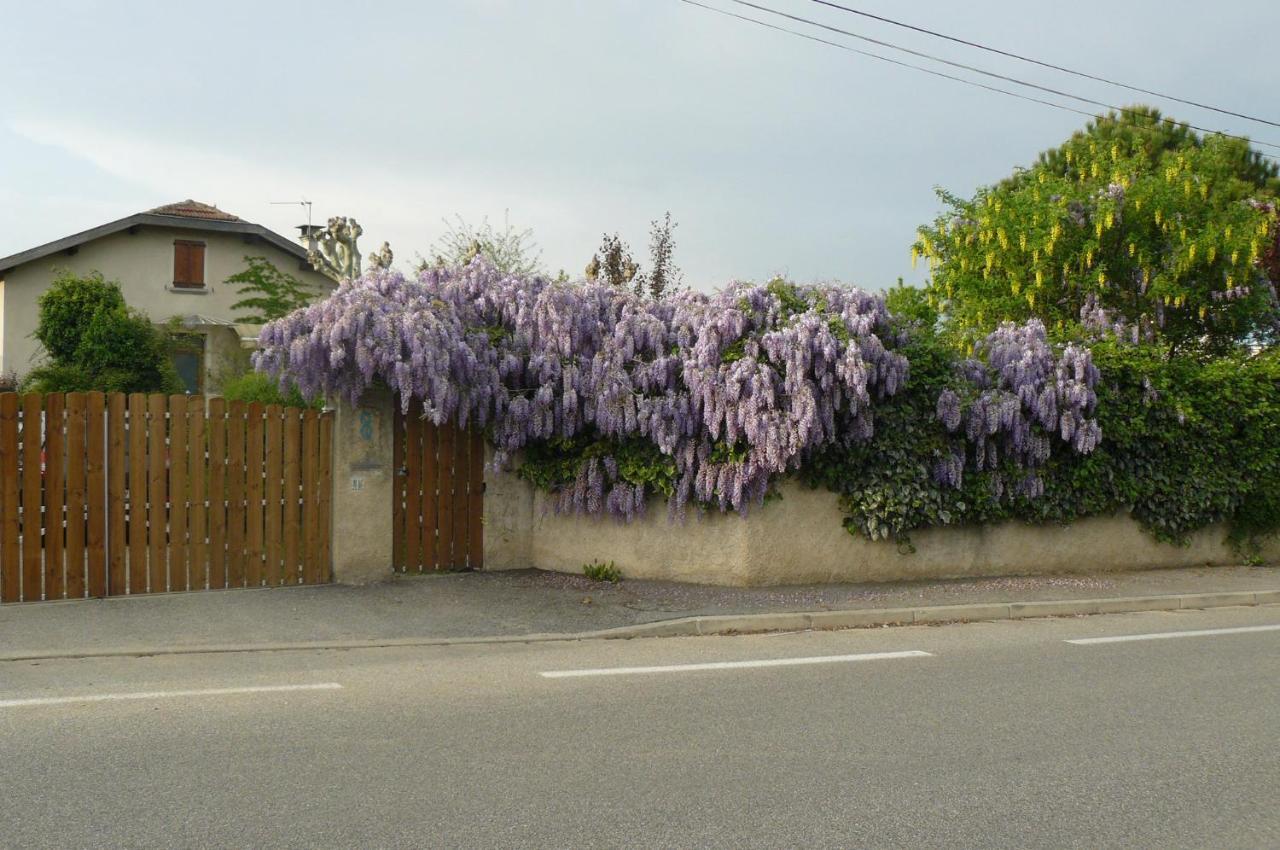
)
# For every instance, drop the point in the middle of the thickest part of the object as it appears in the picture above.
(188, 263)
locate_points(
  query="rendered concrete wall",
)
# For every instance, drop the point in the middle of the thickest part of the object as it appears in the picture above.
(800, 539)
(363, 478)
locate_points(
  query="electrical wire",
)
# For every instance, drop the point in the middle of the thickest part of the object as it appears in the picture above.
(983, 71)
(1043, 64)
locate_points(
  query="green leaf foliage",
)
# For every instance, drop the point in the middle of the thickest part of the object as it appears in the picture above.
(1186, 443)
(95, 342)
(271, 293)
(260, 387)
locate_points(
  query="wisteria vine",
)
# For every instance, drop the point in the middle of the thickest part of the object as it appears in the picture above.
(734, 388)
(1026, 392)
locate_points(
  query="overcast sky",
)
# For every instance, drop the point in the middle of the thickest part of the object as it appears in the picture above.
(577, 116)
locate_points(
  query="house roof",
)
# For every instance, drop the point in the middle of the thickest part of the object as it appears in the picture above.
(194, 209)
(183, 215)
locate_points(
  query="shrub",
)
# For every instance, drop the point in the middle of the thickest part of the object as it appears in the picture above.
(257, 387)
(95, 342)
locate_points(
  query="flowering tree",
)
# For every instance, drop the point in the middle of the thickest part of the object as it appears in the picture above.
(1135, 225)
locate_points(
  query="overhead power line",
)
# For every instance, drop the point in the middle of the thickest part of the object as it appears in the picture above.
(898, 62)
(1042, 64)
(930, 71)
(961, 65)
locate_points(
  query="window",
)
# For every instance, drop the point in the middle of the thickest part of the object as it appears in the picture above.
(188, 264)
(188, 361)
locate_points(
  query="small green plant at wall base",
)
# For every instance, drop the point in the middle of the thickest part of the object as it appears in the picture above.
(602, 571)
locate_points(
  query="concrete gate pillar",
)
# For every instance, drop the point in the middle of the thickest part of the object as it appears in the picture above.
(363, 481)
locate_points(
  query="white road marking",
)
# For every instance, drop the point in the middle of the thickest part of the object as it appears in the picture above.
(204, 692)
(1239, 630)
(735, 665)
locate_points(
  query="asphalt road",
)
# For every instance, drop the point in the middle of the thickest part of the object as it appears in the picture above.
(985, 735)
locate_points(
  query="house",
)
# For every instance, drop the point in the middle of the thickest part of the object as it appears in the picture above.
(171, 262)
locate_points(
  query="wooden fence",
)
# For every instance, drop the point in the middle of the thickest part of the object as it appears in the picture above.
(439, 497)
(107, 495)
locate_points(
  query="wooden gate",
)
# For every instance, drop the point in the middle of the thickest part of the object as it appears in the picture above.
(107, 495)
(438, 497)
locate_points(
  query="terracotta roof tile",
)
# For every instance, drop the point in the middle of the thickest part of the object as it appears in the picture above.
(194, 209)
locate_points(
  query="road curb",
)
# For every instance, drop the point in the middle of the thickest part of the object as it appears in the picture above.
(726, 624)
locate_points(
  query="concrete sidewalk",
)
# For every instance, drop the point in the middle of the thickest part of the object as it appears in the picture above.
(539, 606)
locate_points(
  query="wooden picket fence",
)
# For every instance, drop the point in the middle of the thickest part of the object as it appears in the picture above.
(438, 497)
(107, 495)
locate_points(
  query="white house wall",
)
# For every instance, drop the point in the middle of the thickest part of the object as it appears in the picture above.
(142, 263)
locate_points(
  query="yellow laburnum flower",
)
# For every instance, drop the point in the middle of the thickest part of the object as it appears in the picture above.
(1191, 253)
(915, 256)
(1031, 299)
(1133, 249)
(1213, 253)
(1097, 228)
(1115, 151)
(1204, 191)
(1186, 187)
(1022, 241)
(1227, 232)
(1039, 277)
(1137, 204)
(964, 264)
(1015, 286)
(1203, 311)
(1004, 239)
(1068, 156)
(1088, 259)
(1102, 279)
(1111, 219)
(1094, 170)
(1044, 178)
(1035, 256)
(1235, 257)
(1159, 216)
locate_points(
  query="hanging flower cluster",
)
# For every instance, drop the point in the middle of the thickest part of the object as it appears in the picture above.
(1025, 393)
(735, 388)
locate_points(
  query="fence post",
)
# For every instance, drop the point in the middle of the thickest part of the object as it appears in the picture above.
(363, 478)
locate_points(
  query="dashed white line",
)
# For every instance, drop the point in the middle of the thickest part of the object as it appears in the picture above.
(1239, 630)
(734, 665)
(203, 692)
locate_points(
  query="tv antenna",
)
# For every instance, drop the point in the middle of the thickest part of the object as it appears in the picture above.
(306, 204)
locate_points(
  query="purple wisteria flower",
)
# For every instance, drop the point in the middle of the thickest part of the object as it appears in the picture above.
(530, 359)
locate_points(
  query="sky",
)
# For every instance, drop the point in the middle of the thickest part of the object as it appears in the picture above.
(775, 155)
